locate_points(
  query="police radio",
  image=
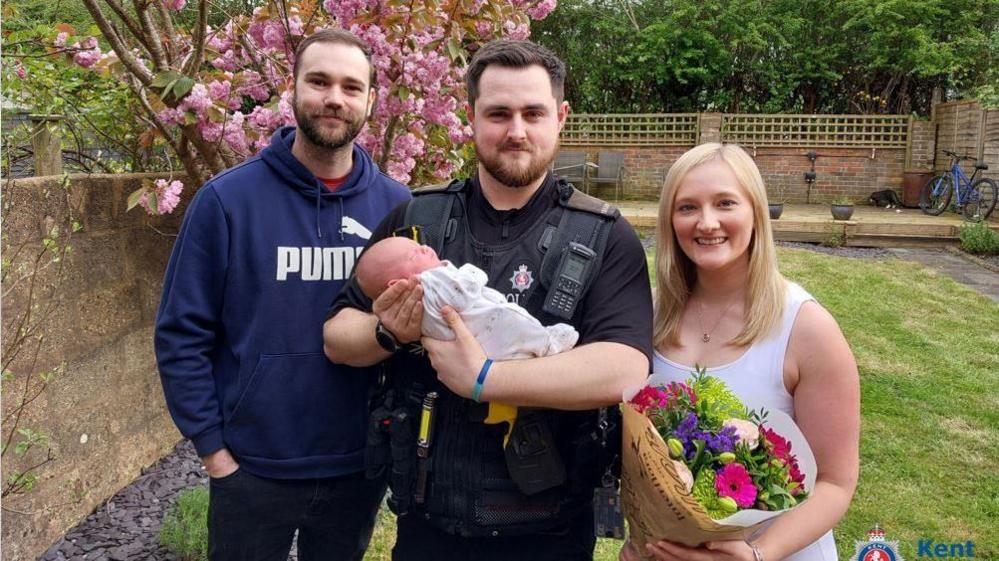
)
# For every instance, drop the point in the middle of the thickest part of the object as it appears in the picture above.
(570, 277)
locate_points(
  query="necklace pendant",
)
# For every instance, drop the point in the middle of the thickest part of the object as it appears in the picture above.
(706, 338)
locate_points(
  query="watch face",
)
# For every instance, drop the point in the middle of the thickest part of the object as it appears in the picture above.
(385, 339)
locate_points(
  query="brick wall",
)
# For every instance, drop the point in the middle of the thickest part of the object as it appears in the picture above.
(922, 145)
(644, 169)
(853, 172)
(841, 171)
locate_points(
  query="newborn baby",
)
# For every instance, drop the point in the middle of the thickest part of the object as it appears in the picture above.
(505, 330)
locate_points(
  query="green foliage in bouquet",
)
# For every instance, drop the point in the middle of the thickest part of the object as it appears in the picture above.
(715, 402)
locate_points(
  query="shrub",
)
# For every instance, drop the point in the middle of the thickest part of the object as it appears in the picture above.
(979, 238)
(185, 527)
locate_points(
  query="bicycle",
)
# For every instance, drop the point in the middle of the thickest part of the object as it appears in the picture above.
(975, 199)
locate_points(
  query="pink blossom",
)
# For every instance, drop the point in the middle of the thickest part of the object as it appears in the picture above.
(198, 99)
(734, 481)
(175, 5)
(235, 134)
(167, 197)
(171, 116)
(89, 43)
(285, 110)
(60, 40)
(86, 59)
(210, 131)
(541, 9)
(484, 28)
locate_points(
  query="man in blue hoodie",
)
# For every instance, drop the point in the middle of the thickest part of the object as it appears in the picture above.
(264, 247)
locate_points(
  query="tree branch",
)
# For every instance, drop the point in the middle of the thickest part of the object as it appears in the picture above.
(126, 18)
(168, 32)
(151, 35)
(124, 53)
(198, 51)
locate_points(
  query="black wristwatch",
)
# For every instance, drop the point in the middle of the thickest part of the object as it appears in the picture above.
(386, 339)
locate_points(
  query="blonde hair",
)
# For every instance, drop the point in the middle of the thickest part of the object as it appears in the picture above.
(676, 274)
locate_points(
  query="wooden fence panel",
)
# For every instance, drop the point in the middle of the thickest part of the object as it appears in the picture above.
(817, 131)
(662, 129)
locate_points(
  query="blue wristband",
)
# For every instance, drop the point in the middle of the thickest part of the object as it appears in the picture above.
(477, 389)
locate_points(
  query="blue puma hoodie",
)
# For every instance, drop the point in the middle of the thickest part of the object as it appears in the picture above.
(263, 250)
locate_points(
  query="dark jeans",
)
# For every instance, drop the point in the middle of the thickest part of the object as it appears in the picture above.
(254, 518)
(418, 540)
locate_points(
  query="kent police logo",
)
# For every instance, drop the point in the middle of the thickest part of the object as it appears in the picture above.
(876, 548)
(522, 279)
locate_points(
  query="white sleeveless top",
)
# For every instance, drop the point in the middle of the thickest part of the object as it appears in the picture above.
(757, 377)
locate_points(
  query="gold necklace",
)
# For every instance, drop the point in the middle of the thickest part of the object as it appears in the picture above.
(705, 334)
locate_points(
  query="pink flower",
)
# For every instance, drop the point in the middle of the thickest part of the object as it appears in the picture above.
(60, 40)
(734, 481)
(541, 9)
(175, 5)
(745, 431)
(484, 28)
(21, 72)
(89, 43)
(86, 59)
(198, 99)
(780, 447)
(167, 197)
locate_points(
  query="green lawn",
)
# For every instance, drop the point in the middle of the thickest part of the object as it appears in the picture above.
(928, 352)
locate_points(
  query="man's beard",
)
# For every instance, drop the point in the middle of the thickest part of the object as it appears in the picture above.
(309, 126)
(516, 176)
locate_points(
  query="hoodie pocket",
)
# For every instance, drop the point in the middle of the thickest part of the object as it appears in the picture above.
(297, 406)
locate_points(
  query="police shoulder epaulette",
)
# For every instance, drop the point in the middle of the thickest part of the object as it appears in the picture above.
(581, 201)
(439, 188)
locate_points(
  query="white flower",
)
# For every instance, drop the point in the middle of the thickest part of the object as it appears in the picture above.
(745, 431)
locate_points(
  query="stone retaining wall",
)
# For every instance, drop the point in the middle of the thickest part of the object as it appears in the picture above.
(104, 413)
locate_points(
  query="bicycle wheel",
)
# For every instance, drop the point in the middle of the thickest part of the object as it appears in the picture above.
(981, 200)
(935, 196)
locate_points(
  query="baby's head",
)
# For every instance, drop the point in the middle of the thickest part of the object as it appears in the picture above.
(390, 260)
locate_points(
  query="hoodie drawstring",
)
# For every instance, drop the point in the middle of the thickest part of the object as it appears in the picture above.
(340, 218)
(319, 196)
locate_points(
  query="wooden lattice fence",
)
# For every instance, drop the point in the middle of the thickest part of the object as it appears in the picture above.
(817, 131)
(661, 129)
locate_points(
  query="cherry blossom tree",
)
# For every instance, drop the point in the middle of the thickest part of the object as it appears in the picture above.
(215, 95)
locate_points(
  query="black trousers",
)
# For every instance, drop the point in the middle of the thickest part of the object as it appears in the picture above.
(254, 518)
(418, 540)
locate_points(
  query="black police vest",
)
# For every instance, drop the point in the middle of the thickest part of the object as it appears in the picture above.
(468, 489)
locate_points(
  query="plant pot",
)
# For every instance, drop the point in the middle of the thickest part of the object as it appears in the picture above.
(776, 209)
(841, 212)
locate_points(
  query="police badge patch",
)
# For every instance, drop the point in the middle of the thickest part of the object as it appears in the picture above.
(522, 279)
(876, 548)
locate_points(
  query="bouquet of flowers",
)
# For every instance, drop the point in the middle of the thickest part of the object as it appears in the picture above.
(699, 466)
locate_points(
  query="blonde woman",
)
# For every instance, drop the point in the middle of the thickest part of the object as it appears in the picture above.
(722, 304)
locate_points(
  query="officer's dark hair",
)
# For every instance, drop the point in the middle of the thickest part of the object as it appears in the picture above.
(335, 37)
(514, 54)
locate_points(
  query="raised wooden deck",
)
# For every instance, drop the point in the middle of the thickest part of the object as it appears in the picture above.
(870, 226)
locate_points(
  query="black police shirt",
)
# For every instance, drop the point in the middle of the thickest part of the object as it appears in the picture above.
(618, 306)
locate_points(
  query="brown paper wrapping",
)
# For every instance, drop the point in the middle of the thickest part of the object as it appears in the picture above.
(655, 501)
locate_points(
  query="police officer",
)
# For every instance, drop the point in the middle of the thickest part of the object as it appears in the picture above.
(475, 491)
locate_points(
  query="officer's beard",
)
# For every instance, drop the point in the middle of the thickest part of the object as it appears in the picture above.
(516, 176)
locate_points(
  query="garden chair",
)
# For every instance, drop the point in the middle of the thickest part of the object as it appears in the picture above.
(610, 169)
(571, 166)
